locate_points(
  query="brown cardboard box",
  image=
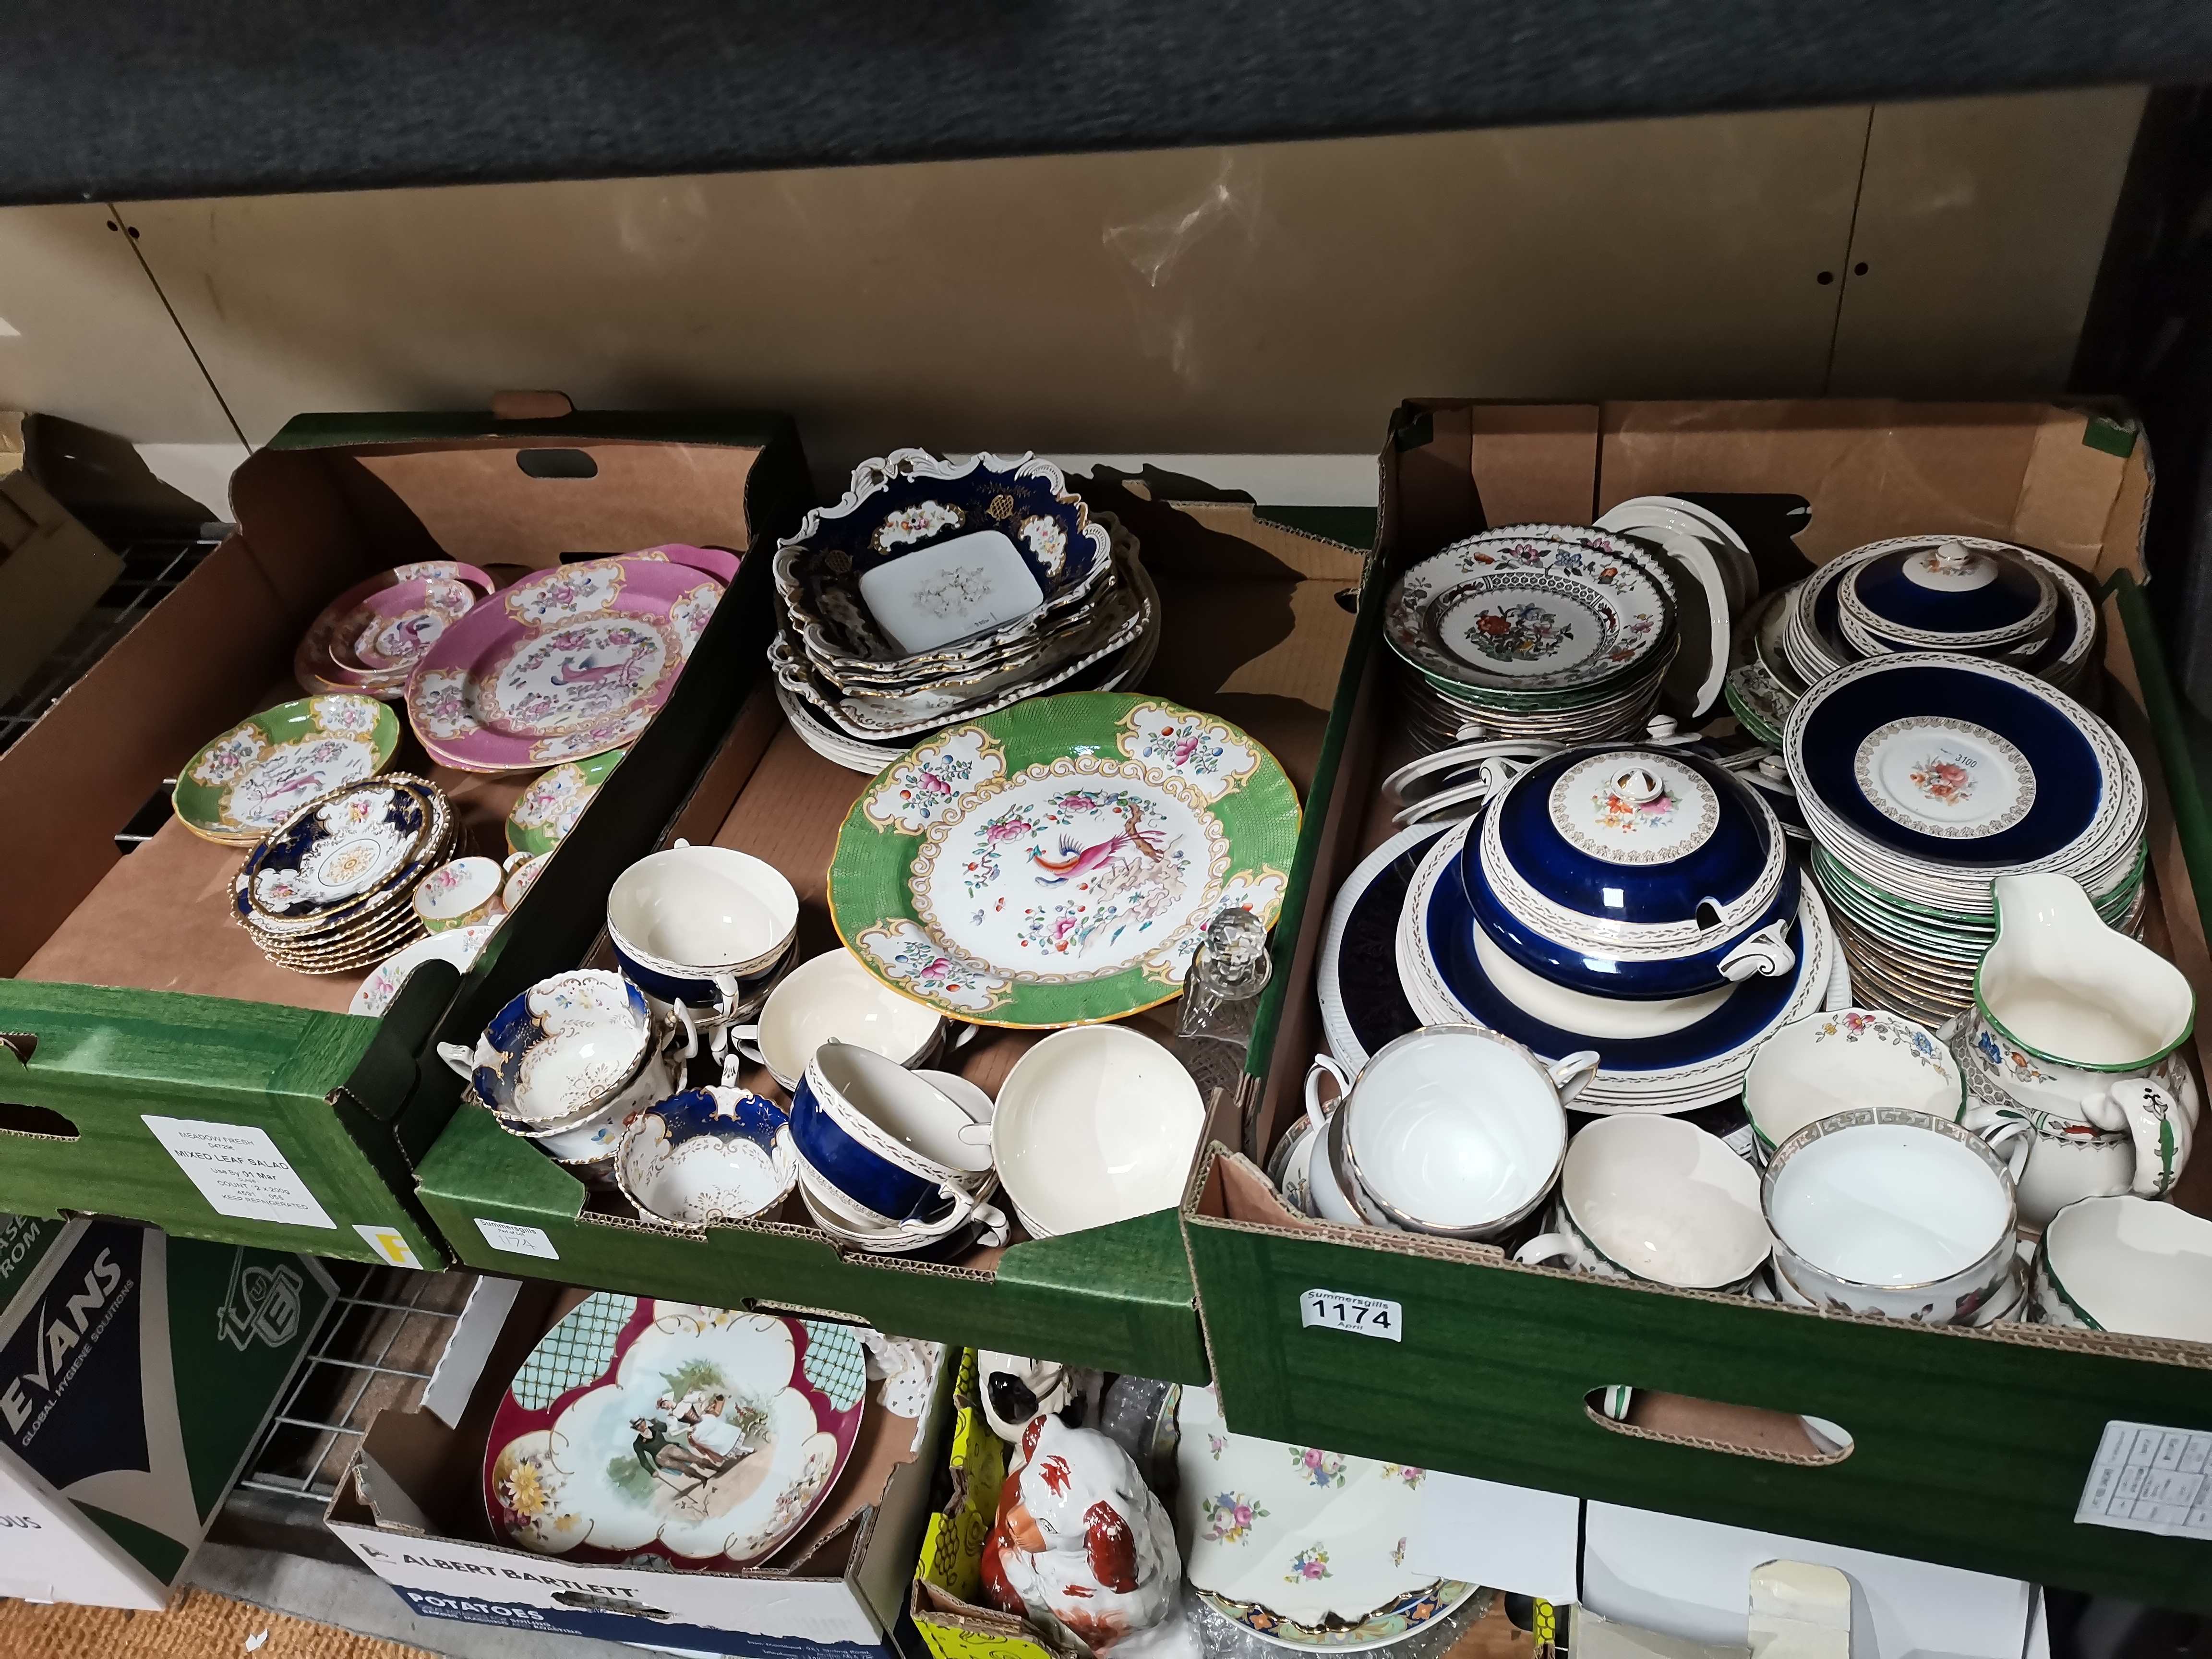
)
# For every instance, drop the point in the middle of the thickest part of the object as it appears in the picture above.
(52, 570)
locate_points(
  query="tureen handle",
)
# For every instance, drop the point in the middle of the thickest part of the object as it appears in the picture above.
(1765, 952)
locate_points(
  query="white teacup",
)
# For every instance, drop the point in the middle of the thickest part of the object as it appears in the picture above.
(1658, 1200)
(690, 924)
(1887, 1210)
(1455, 1130)
(832, 997)
(2128, 1264)
(1828, 1063)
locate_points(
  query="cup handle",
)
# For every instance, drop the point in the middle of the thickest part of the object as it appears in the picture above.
(1764, 952)
(2019, 1135)
(1759, 1289)
(1545, 1246)
(690, 1032)
(995, 1232)
(964, 1034)
(964, 1206)
(462, 1060)
(1571, 1075)
(973, 1135)
(2161, 1131)
(1323, 1065)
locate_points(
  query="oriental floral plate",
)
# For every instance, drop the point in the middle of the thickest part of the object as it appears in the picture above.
(567, 663)
(672, 1435)
(1058, 863)
(257, 774)
(549, 808)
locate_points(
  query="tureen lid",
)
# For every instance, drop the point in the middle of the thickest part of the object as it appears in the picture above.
(1956, 588)
(1593, 840)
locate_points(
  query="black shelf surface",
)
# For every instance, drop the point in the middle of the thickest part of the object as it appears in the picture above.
(136, 99)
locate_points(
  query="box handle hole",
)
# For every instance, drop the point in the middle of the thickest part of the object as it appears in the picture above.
(35, 1122)
(1716, 1426)
(556, 462)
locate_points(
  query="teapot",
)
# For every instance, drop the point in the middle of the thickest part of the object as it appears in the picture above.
(2074, 1033)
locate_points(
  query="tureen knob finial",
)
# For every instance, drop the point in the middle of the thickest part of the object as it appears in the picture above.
(1637, 785)
(1952, 558)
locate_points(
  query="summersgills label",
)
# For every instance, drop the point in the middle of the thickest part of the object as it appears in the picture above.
(239, 1171)
(1337, 1310)
(2149, 1479)
(517, 1241)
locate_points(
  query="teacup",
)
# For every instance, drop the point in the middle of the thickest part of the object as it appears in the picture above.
(1096, 1124)
(1828, 1063)
(706, 1156)
(2074, 1020)
(2126, 1265)
(894, 1146)
(688, 924)
(941, 1241)
(1657, 1200)
(1888, 1211)
(832, 997)
(564, 1048)
(1455, 1130)
(521, 871)
(465, 893)
(590, 1142)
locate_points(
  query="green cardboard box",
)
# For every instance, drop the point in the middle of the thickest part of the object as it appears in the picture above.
(158, 1068)
(1253, 631)
(1971, 1447)
(136, 1374)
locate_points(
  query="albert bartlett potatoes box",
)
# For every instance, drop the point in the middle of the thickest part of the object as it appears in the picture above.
(136, 1371)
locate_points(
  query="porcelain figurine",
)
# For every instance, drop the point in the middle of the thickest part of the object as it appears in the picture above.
(1081, 1548)
(1016, 1390)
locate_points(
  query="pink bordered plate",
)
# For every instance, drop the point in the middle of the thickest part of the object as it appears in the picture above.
(568, 662)
(370, 638)
(703, 1436)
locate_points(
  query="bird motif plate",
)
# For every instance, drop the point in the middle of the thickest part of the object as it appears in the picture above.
(701, 1437)
(1059, 862)
(245, 782)
(570, 662)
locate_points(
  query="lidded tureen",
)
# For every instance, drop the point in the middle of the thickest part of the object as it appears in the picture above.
(1947, 593)
(1632, 872)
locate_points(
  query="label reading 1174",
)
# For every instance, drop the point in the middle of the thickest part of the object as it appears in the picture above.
(1337, 1311)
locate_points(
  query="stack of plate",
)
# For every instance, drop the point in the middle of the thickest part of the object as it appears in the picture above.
(1962, 594)
(937, 591)
(1558, 632)
(328, 891)
(1924, 776)
(370, 637)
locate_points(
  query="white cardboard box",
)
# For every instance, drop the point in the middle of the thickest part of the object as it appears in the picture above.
(835, 1602)
(136, 1374)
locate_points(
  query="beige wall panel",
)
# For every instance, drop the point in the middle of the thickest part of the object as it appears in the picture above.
(1276, 298)
(1981, 223)
(87, 336)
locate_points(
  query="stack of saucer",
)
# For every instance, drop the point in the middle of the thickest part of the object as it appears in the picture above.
(329, 890)
(939, 591)
(1924, 776)
(1962, 594)
(1557, 632)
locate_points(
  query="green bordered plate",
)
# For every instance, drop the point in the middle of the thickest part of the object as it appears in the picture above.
(549, 809)
(1058, 863)
(254, 776)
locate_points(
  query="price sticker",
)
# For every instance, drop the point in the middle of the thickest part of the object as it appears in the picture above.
(1337, 1310)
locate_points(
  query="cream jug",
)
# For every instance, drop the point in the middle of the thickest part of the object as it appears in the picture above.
(2073, 1033)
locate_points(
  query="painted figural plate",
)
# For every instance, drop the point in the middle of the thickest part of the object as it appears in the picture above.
(257, 774)
(572, 661)
(1059, 862)
(666, 1434)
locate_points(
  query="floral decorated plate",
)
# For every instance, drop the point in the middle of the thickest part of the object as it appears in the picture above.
(1059, 862)
(257, 774)
(1287, 1539)
(1399, 1618)
(458, 946)
(549, 808)
(570, 662)
(1533, 608)
(352, 845)
(701, 1437)
(369, 638)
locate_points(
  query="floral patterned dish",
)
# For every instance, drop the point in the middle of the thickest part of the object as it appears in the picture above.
(1399, 1618)
(567, 663)
(549, 808)
(339, 855)
(1059, 862)
(245, 782)
(459, 947)
(700, 1437)
(369, 637)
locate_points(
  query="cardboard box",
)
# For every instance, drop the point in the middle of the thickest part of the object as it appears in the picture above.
(138, 1000)
(412, 1508)
(1254, 632)
(137, 1372)
(1970, 1448)
(53, 571)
